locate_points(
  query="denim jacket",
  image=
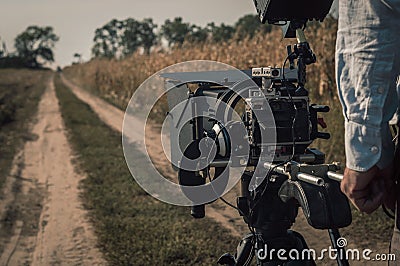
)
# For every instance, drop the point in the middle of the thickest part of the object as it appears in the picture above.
(367, 70)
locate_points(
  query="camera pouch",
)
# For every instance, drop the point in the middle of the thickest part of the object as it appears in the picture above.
(325, 207)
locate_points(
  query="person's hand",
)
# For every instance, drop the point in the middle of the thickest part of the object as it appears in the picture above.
(366, 190)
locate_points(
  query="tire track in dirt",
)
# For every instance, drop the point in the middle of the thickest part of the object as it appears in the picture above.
(63, 235)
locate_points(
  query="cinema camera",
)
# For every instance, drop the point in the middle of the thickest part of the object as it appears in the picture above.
(278, 123)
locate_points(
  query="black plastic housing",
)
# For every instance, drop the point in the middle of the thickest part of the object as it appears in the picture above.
(273, 11)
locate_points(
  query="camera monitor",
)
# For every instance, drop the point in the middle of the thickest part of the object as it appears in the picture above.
(273, 11)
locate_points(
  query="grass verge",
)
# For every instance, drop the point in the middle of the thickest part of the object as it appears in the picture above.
(132, 227)
(20, 92)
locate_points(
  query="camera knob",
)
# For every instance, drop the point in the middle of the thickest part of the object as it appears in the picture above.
(320, 108)
(323, 135)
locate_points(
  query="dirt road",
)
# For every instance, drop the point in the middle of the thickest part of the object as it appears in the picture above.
(114, 117)
(57, 231)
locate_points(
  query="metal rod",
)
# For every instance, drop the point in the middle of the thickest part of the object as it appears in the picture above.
(300, 36)
(335, 176)
(278, 169)
(314, 180)
(219, 163)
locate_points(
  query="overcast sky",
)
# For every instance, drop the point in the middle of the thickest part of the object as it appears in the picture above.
(75, 21)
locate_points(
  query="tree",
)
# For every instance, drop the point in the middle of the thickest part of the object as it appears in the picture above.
(77, 58)
(220, 33)
(138, 34)
(107, 40)
(121, 38)
(175, 31)
(249, 25)
(198, 34)
(2, 52)
(130, 39)
(35, 45)
(147, 34)
(3, 49)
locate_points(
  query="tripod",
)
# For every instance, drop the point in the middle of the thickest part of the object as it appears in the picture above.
(274, 211)
(271, 209)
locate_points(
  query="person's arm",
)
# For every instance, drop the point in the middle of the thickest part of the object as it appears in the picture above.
(366, 70)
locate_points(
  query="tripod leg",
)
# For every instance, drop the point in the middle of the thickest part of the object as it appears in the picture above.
(334, 235)
(244, 253)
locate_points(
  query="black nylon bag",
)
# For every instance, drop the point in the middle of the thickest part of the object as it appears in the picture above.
(325, 207)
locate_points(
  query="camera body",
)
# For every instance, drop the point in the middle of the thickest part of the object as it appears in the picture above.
(293, 116)
(294, 121)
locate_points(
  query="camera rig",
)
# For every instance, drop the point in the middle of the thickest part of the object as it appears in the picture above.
(291, 175)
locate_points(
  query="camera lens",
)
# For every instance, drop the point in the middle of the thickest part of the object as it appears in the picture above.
(275, 73)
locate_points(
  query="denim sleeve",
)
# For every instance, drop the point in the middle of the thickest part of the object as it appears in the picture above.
(367, 66)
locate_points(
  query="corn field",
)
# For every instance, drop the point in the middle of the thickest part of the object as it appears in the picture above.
(116, 80)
